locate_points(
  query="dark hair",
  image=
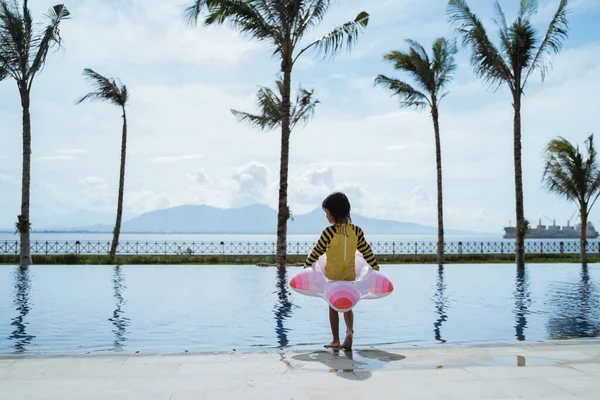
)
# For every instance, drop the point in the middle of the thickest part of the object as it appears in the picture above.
(339, 207)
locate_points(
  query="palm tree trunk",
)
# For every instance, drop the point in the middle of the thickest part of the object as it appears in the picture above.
(521, 226)
(440, 202)
(284, 212)
(583, 237)
(117, 230)
(23, 219)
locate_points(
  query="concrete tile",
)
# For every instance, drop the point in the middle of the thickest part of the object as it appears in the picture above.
(495, 373)
(581, 386)
(430, 375)
(498, 389)
(273, 376)
(588, 368)
(55, 388)
(202, 358)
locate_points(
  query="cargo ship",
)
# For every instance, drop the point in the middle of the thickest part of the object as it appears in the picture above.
(553, 231)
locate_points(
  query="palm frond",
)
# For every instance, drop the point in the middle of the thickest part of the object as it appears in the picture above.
(49, 38)
(431, 74)
(422, 65)
(488, 63)
(564, 171)
(265, 8)
(552, 42)
(105, 89)
(13, 41)
(269, 103)
(312, 15)
(346, 34)
(242, 16)
(527, 9)
(192, 12)
(500, 21)
(407, 95)
(443, 65)
(592, 167)
(523, 42)
(262, 122)
(416, 63)
(3, 72)
(304, 107)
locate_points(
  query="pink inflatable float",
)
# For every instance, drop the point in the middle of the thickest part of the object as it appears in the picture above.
(342, 296)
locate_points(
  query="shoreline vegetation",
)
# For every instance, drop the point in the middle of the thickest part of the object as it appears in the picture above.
(293, 260)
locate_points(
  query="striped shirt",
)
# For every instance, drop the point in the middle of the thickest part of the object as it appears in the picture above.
(340, 243)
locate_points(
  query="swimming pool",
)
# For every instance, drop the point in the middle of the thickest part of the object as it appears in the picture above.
(173, 309)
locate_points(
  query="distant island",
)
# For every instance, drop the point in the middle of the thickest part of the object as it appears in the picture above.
(254, 219)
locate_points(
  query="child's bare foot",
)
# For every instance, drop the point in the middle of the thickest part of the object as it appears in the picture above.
(348, 341)
(333, 345)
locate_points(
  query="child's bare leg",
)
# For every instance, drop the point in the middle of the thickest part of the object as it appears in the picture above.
(334, 320)
(349, 318)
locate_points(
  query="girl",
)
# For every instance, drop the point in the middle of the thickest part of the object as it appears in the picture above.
(340, 242)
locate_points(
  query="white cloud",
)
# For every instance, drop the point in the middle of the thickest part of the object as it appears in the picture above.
(72, 151)
(198, 176)
(95, 183)
(55, 158)
(251, 184)
(155, 34)
(6, 178)
(176, 159)
(139, 202)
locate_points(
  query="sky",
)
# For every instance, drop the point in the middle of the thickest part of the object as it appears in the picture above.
(184, 146)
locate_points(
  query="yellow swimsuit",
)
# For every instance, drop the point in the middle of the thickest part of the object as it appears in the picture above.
(340, 243)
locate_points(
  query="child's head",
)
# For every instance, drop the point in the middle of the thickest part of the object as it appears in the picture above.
(337, 207)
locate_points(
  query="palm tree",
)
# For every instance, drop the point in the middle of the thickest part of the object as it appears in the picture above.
(109, 90)
(23, 53)
(521, 53)
(571, 175)
(431, 75)
(269, 104)
(283, 24)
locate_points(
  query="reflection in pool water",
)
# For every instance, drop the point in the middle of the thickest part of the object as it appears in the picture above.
(441, 305)
(575, 309)
(522, 303)
(22, 286)
(172, 309)
(283, 307)
(118, 319)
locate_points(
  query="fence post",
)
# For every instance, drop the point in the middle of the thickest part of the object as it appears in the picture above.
(394, 248)
(562, 248)
(501, 247)
(481, 247)
(77, 244)
(541, 247)
(46, 247)
(460, 248)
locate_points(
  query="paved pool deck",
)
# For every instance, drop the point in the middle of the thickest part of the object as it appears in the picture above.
(549, 370)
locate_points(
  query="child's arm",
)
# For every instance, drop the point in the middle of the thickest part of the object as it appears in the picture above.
(320, 248)
(365, 250)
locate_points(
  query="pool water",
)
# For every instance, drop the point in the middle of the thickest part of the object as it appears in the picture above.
(173, 309)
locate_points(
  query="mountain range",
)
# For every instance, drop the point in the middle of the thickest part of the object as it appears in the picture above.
(254, 219)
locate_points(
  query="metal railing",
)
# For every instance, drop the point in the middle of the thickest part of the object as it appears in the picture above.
(300, 248)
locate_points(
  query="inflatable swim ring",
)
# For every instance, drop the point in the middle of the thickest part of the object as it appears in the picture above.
(342, 296)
